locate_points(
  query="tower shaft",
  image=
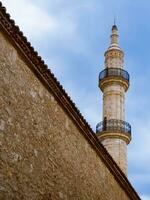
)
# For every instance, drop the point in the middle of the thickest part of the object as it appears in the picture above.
(113, 102)
(113, 131)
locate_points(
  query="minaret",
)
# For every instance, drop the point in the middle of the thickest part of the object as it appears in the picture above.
(114, 132)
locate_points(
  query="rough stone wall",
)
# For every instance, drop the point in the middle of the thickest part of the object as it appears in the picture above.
(43, 155)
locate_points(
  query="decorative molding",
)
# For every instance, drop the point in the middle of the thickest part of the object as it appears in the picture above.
(114, 53)
(106, 134)
(107, 93)
(108, 81)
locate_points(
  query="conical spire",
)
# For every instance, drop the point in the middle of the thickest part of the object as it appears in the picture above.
(114, 35)
(113, 47)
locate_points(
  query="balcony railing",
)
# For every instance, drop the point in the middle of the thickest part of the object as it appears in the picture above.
(113, 125)
(114, 72)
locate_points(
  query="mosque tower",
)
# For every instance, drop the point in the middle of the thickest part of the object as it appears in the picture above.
(114, 132)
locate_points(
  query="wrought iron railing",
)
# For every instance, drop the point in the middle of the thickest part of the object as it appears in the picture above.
(113, 125)
(117, 72)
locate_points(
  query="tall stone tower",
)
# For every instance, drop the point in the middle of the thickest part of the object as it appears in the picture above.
(114, 132)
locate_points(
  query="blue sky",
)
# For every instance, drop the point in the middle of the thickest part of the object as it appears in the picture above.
(72, 36)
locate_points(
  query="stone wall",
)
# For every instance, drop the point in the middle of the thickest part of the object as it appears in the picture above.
(43, 154)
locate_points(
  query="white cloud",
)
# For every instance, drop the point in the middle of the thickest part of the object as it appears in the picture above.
(32, 19)
(36, 22)
(144, 197)
(47, 27)
(57, 23)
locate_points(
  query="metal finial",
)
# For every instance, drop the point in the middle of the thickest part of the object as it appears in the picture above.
(114, 25)
(114, 20)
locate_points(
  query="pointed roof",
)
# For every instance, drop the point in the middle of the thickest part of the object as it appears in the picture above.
(114, 43)
(114, 27)
(41, 71)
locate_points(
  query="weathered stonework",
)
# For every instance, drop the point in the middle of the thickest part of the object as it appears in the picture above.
(118, 149)
(113, 102)
(43, 155)
(45, 152)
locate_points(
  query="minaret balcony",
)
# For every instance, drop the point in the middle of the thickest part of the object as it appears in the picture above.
(114, 128)
(111, 75)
